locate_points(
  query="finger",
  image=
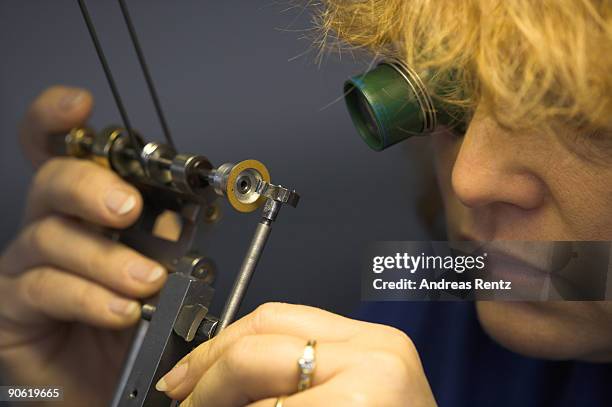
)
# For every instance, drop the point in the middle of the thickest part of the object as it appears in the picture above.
(328, 394)
(261, 366)
(290, 319)
(98, 259)
(375, 382)
(48, 293)
(85, 190)
(54, 112)
(300, 321)
(296, 320)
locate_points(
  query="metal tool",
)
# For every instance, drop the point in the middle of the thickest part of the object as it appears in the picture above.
(275, 196)
(188, 185)
(178, 319)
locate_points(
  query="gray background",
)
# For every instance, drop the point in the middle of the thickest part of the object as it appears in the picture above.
(236, 82)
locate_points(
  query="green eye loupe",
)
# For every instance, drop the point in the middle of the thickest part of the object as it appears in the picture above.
(389, 104)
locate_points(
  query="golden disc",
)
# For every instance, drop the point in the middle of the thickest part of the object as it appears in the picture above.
(231, 184)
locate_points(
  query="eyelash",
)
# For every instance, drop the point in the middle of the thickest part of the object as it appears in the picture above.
(457, 134)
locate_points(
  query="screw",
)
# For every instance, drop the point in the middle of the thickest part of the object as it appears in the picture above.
(212, 213)
(205, 272)
(147, 311)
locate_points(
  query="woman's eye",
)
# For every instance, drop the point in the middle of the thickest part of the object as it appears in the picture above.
(456, 121)
(458, 132)
(457, 129)
(449, 133)
(594, 145)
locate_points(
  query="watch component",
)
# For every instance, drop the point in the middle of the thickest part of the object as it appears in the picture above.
(157, 159)
(187, 174)
(186, 169)
(238, 183)
(78, 142)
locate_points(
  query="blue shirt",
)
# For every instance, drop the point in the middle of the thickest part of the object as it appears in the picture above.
(467, 368)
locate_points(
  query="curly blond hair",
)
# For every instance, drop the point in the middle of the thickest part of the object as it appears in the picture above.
(531, 62)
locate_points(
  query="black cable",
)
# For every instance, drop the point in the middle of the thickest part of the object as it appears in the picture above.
(109, 77)
(145, 71)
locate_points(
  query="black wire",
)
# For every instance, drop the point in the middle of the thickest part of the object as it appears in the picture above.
(145, 71)
(109, 77)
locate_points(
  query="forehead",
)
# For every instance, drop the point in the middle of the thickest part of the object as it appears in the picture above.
(547, 60)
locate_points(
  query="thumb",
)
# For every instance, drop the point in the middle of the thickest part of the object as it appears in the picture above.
(54, 112)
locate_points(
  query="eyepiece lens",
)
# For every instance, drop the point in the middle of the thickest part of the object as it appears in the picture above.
(389, 104)
(368, 116)
(363, 116)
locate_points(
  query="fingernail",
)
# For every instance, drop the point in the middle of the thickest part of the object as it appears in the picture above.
(144, 272)
(120, 202)
(172, 378)
(123, 307)
(71, 99)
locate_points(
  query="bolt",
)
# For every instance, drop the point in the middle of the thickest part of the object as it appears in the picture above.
(212, 213)
(147, 311)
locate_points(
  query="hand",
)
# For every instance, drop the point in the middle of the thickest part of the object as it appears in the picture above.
(67, 293)
(254, 361)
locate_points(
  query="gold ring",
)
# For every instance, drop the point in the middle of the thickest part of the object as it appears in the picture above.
(307, 364)
(279, 401)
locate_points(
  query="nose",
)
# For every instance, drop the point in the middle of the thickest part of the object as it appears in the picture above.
(490, 168)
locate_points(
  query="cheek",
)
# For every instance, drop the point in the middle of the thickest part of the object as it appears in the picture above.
(581, 195)
(551, 330)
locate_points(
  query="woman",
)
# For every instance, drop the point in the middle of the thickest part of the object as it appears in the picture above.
(535, 163)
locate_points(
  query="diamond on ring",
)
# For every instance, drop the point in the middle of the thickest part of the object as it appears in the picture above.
(307, 365)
